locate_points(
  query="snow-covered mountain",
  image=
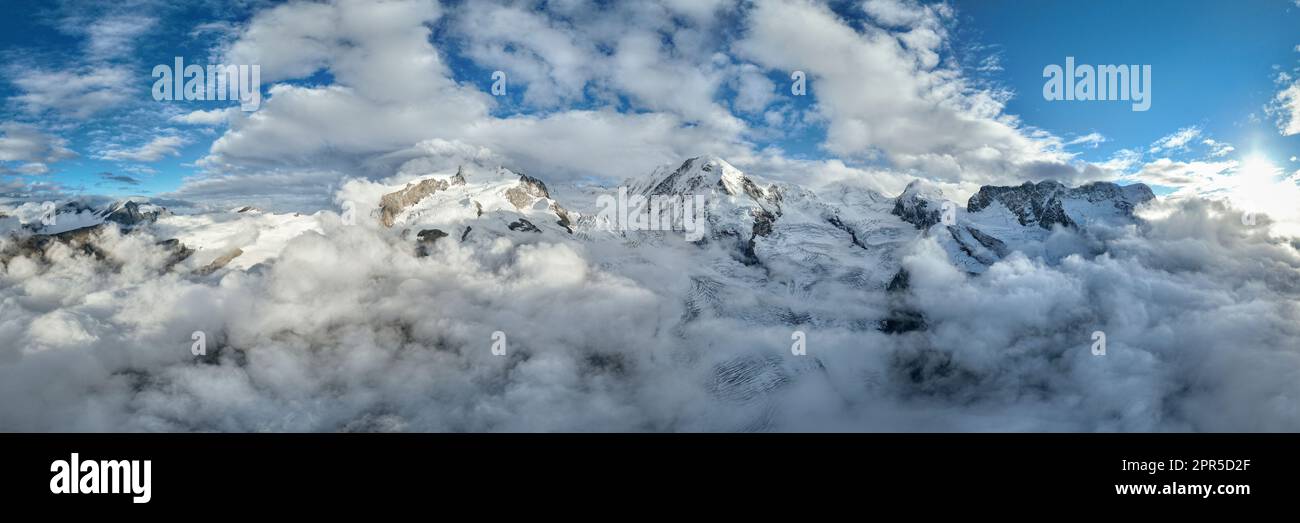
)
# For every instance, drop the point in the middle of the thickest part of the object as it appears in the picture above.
(903, 300)
(999, 220)
(760, 238)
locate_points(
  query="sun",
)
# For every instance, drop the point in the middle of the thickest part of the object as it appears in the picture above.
(1260, 186)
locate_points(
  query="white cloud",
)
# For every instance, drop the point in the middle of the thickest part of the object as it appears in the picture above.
(114, 36)
(1092, 140)
(1192, 177)
(152, 151)
(1218, 149)
(376, 109)
(210, 117)
(754, 91)
(1286, 108)
(33, 149)
(1177, 140)
(337, 334)
(391, 87)
(1122, 161)
(883, 91)
(76, 93)
(653, 73)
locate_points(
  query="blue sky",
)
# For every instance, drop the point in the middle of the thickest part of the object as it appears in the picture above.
(1213, 65)
(76, 76)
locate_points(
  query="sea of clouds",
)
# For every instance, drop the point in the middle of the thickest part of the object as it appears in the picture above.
(349, 331)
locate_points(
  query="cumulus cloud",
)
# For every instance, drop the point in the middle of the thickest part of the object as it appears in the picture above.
(114, 36)
(391, 86)
(377, 109)
(29, 149)
(209, 117)
(636, 84)
(76, 93)
(883, 90)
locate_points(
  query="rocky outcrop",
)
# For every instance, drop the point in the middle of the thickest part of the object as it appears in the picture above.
(921, 204)
(129, 214)
(35, 246)
(524, 226)
(219, 263)
(425, 240)
(526, 192)
(392, 204)
(564, 221)
(176, 251)
(1041, 203)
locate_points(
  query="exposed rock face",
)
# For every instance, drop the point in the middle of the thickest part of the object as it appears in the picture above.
(902, 321)
(921, 204)
(128, 214)
(75, 207)
(1041, 203)
(989, 242)
(564, 221)
(426, 239)
(34, 246)
(839, 224)
(394, 203)
(177, 252)
(901, 282)
(523, 225)
(528, 190)
(763, 221)
(220, 262)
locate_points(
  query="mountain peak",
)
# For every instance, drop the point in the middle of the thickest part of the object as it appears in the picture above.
(920, 204)
(699, 175)
(1045, 203)
(527, 192)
